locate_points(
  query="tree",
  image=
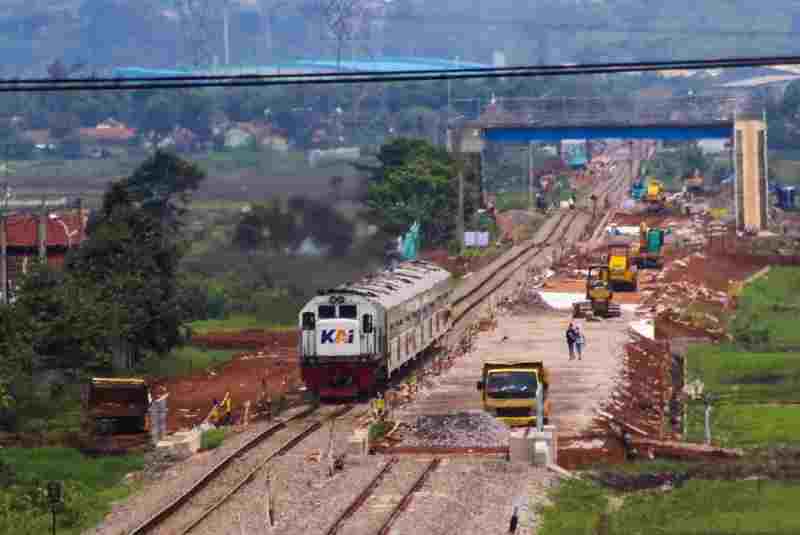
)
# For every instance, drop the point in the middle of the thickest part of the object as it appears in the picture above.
(16, 362)
(342, 18)
(414, 183)
(269, 10)
(63, 124)
(66, 320)
(270, 225)
(13, 146)
(195, 112)
(197, 19)
(282, 227)
(160, 115)
(59, 71)
(132, 254)
(336, 183)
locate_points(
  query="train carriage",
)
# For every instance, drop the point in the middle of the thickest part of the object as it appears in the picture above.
(357, 335)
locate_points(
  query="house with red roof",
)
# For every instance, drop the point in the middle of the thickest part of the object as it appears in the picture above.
(106, 136)
(25, 233)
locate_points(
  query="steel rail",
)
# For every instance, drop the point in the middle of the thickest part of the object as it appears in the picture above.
(361, 498)
(165, 512)
(291, 443)
(408, 496)
(503, 273)
(173, 506)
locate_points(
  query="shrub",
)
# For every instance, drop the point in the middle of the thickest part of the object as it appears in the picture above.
(378, 430)
(212, 439)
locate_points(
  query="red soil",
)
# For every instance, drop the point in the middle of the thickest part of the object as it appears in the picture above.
(190, 397)
(246, 339)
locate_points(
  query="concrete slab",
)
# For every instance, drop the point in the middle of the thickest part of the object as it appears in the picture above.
(577, 386)
(181, 445)
(645, 327)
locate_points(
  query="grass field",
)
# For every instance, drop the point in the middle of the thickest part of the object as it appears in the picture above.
(786, 165)
(187, 360)
(754, 379)
(90, 485)
(749, 386)
(766, 316)
(699, 507)
(235, 323)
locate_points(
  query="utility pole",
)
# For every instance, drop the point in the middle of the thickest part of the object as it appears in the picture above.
(458, 133)
(43, 232)
(450, 96)
(3, 257)
(226, 29)
(5, 196)
(530, 175)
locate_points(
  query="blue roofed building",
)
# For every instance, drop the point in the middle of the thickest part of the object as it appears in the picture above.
(387, 64)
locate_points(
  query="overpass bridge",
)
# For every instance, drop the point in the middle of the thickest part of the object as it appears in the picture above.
(529, 120)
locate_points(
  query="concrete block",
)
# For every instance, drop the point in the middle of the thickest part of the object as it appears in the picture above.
(521, 447)
(546, 445)
(181, 445)
(358, 443)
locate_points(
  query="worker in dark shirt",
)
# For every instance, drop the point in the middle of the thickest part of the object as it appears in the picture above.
(571, 338)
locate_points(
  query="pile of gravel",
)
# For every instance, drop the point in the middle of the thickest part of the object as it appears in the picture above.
(459, 430)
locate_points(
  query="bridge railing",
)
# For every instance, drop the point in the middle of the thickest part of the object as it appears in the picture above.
(566, 111)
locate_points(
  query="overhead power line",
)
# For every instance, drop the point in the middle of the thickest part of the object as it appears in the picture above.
(625, 66)
(255, 80)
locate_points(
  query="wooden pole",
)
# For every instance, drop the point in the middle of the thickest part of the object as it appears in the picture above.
(330, 450)
(269, 503)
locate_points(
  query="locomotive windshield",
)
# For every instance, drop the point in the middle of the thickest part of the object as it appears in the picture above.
(328, 312)
(347, 312)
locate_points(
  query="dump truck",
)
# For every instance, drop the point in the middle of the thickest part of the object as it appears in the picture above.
(509, 390)
(623, 275)
(598, 296)
(115, 406)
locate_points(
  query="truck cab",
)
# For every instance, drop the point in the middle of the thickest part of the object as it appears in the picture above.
(509, 391)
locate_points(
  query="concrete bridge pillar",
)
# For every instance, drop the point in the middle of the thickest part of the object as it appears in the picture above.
(751, 185)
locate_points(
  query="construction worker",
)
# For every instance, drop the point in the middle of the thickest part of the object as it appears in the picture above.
(379, 407)
(214, 416)
(226, 408)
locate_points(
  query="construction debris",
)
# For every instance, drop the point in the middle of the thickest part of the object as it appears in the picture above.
(463, 430)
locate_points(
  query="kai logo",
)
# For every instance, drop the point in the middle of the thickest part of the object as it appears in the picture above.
(336, 336)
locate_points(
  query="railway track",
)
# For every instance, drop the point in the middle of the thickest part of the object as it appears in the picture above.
(465, 303)
(375, 509)
(226, 478)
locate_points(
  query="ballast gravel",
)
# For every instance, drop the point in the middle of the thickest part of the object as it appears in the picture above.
(462, 430)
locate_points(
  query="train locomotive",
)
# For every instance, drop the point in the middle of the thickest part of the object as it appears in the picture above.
(356, 336)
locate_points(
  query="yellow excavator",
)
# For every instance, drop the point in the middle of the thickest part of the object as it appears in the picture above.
(654, 195)
(598, 296)
(623, 275)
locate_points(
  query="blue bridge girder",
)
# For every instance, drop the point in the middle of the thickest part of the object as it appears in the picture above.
(525, 134)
